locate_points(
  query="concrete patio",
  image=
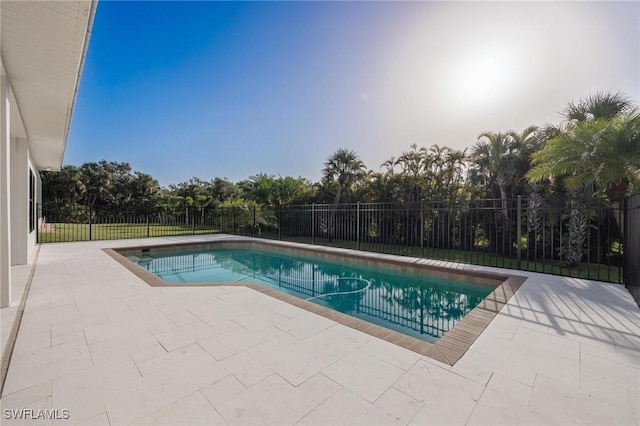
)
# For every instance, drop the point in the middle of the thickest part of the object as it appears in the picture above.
(99, 342)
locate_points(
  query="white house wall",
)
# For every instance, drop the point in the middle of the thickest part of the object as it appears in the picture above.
(19, 202)
(17, 243)
(5, 191)
(24, 241)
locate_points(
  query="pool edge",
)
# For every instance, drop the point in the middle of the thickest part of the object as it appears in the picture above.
(448, 349)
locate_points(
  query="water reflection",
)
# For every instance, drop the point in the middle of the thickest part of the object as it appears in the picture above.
(420, 306)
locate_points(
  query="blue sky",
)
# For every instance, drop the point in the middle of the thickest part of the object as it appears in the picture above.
(182, 89)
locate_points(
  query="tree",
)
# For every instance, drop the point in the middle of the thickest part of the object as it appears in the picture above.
(223, 190)
(495, 155)
(596, 148)
(178, 203)
(525, 143)
(191, 188)
(249, 217)
(259, 188)
(120, 176)
(449, 176)
(288, 189)
(605, 105)
(601, 151)
(501, 160)
(115, 186)
(390, 166)
(413, 164)
(98, 182)
(143, 188)
(382, 187)
(63, 187)
(202, 201)
(345, 168)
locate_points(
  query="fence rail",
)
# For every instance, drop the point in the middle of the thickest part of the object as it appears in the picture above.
(571, 237)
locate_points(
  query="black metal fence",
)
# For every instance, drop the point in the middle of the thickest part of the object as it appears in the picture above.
(632, 246)
(572, 237)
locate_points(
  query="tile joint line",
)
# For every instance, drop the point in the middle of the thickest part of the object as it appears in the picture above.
(15, 327)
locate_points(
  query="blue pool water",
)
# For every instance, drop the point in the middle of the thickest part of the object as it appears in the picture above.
(416, 305)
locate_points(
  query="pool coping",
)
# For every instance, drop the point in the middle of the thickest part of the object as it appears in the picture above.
(447, 349)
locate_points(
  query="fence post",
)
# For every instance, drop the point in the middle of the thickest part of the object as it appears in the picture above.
(253, 228)
(233, 219)
(624, 206)
(38, 215)
(280, 222)
(358, 225)
(193, 219)
(422, 228)
(519, 231)
(313, 223)
(148, 234)
(90, 228)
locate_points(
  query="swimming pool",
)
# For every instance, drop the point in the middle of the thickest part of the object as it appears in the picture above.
(416, 305)
(447, 348)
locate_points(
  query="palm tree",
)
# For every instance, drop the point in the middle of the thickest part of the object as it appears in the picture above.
(414, 163)
(438, 158)
(288, 189)
(345, 168)
(605, 105)
(600, 151)
(503, 159)
(202, 201)
(177, 204)
(578, 224)
(525, 144)
(597, 146)
(187, 202)
(534, 219)
(454, 165)
(380, 187)
(390, 165)
(495, 155)
(260, 188)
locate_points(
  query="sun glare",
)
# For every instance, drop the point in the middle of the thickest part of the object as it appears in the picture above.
(482, 77)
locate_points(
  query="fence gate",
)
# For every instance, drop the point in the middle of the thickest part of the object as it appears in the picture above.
(631, 268)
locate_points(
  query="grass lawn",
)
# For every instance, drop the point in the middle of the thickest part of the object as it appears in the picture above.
(66, 232)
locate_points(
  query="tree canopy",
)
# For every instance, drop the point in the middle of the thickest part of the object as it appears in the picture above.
(596, 146)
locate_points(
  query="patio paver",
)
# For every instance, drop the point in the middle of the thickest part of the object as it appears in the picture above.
(97, 340)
